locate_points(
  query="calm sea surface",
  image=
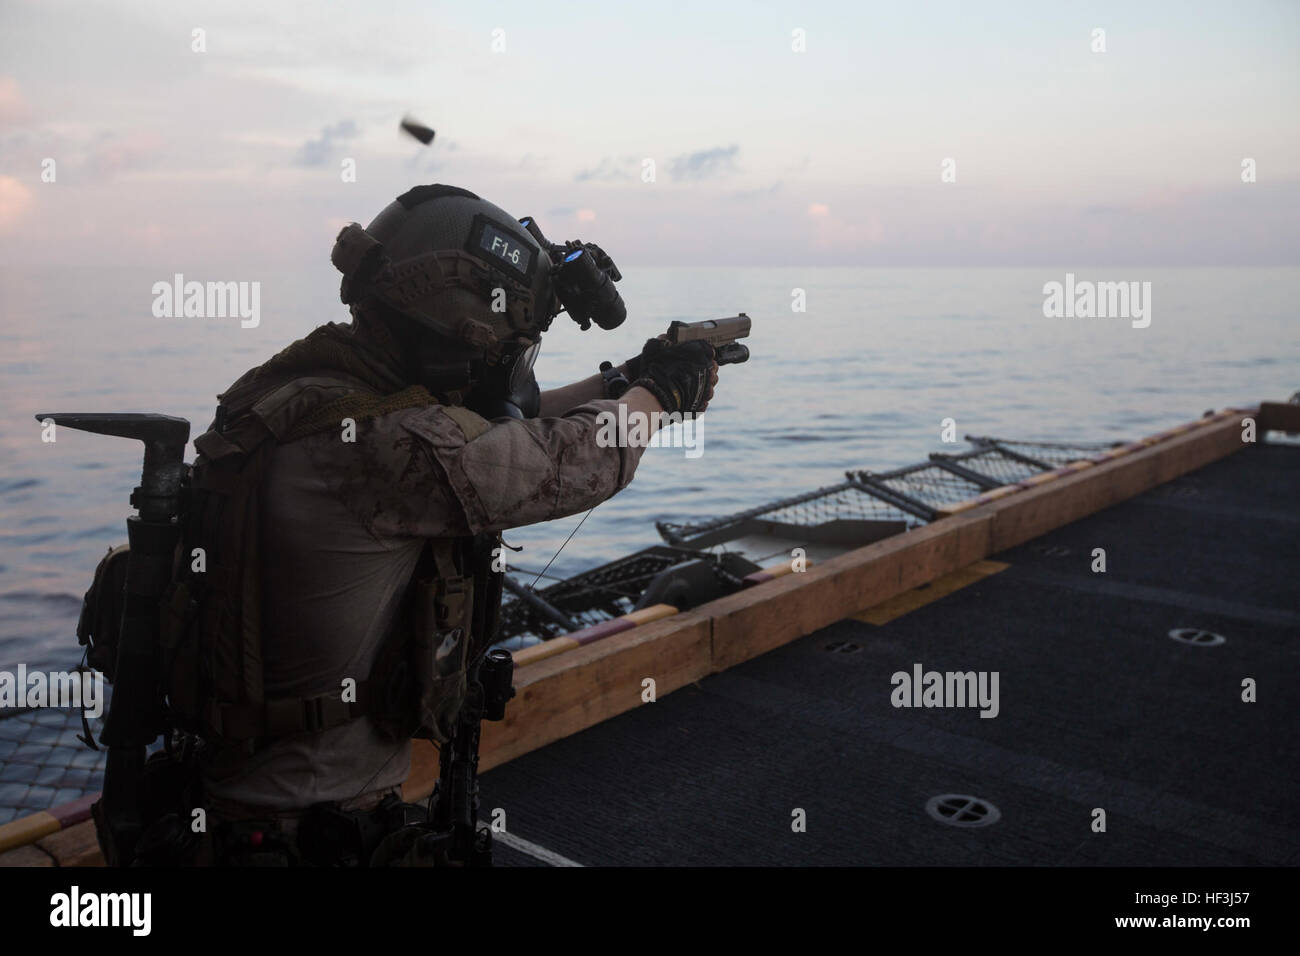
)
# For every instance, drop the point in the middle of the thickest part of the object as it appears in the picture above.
(862, 379)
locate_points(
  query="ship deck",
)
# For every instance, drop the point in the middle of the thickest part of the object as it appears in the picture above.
(1099, 708)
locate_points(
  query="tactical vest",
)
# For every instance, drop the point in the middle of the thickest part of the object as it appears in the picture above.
(211, 632)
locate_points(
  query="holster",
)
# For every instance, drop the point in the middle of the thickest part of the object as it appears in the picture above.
(328, 836)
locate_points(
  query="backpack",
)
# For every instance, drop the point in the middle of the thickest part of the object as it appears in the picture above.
(210, 652)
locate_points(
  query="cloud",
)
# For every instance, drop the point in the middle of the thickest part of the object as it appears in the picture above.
(113, 153)
(705, 164)
(317, 152)
(758, 192)
(15, 200)
(819, 209)
(14, 110)
(609, 170)
(586, 215)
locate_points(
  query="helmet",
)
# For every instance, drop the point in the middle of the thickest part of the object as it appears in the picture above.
(456, 265)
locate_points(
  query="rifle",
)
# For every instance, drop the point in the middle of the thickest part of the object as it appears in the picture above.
(135, 712)
(454, 838)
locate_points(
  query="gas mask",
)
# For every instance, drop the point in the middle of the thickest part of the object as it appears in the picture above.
(508, 388)
(582, 280)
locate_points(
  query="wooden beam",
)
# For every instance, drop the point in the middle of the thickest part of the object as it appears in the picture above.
(76, 845)
(764, 617)
(1035, 511)
(29, 855)
(539, 652)
(27, 829)
(909, 601)
(563, 695)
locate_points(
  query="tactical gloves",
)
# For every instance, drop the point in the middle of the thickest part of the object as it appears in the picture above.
(679, 376)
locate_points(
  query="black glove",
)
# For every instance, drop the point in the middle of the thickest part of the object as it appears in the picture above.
(677, 375)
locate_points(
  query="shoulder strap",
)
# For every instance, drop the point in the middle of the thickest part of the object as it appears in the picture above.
(470, 423)
(356, 406)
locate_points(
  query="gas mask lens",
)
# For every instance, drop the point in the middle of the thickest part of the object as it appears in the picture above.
(522, 368)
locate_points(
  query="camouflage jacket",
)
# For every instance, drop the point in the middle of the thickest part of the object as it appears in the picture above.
(343, 525)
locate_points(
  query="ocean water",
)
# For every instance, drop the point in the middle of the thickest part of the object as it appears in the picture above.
(862, 379)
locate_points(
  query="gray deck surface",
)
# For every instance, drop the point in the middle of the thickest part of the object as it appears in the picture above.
(1099, 708)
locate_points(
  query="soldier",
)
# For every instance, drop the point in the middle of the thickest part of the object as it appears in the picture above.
(350, 496)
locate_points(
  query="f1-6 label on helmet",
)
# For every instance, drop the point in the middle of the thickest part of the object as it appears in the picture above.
(500, 246)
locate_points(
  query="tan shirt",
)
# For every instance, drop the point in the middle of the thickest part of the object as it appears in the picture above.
(344, 525)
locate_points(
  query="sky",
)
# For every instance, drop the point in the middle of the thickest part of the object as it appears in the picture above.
(781, 133)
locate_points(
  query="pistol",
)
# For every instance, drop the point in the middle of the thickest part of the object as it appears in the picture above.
(720, 333)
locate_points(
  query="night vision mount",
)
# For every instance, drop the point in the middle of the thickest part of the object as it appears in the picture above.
(584, 277)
